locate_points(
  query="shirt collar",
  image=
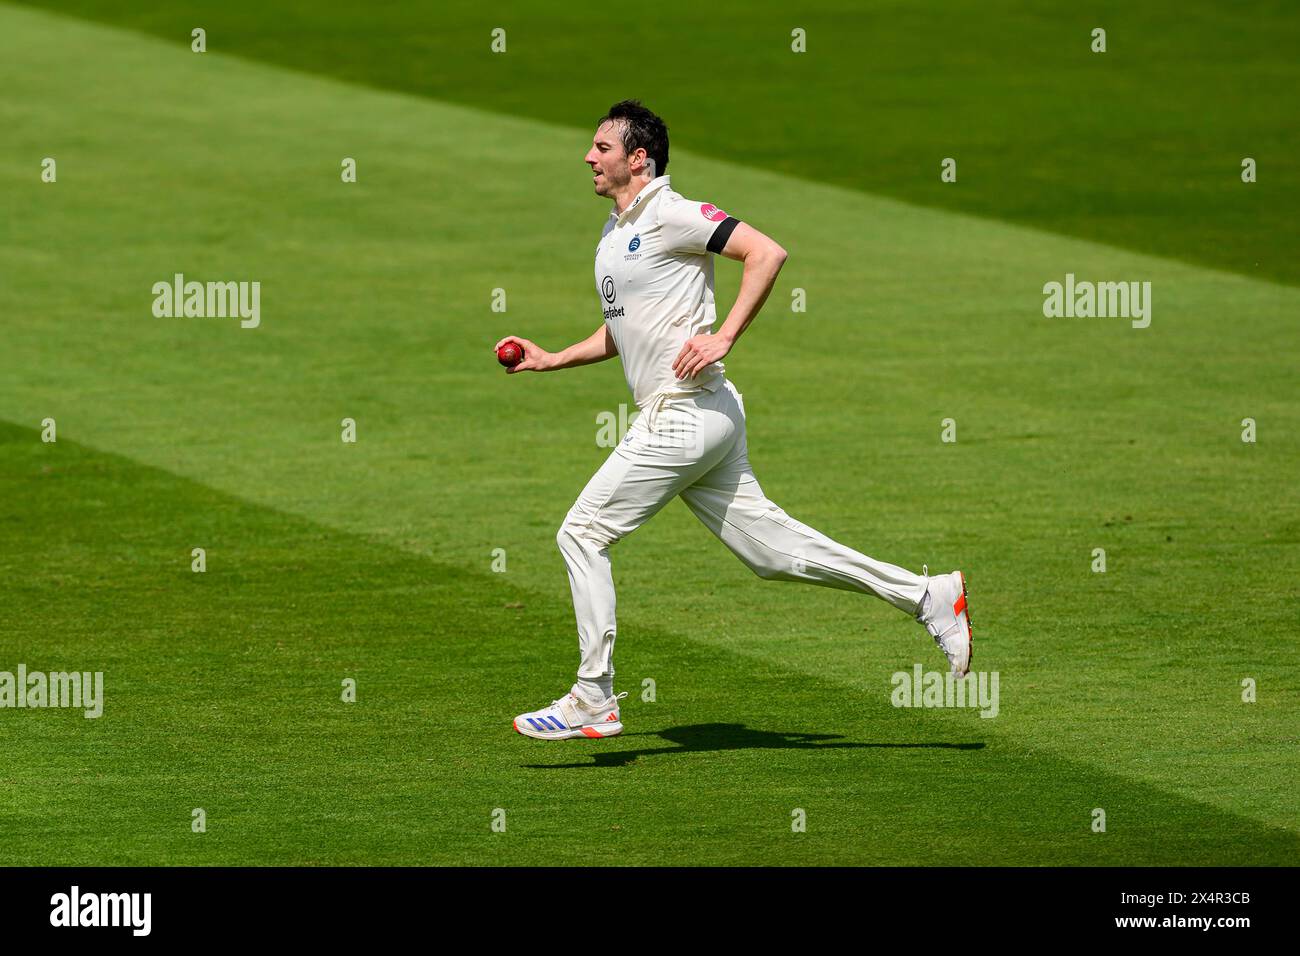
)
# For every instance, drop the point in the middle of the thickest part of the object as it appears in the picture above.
(646, 192)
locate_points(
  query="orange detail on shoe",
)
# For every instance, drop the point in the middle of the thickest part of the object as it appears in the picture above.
(611, 717)
(960, 604)
(515, 724)
(970, 624)
(591, 731)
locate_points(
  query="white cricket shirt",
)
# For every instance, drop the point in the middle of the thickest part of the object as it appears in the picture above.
(654, 276)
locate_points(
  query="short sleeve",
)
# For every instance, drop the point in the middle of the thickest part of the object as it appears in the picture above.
(695, 227)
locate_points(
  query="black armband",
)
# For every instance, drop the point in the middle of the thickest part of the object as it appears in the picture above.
(718, 241)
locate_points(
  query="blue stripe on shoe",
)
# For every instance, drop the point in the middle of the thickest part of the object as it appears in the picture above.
(559, 725)
(537, 724)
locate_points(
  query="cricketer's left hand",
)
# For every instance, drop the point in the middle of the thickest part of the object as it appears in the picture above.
(698, 353)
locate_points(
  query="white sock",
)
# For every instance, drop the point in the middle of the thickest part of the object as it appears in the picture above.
(596, 692)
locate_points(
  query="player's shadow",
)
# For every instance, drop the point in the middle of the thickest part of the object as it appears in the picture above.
(699, 738)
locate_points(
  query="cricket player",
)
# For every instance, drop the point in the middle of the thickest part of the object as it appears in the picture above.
(654, 278)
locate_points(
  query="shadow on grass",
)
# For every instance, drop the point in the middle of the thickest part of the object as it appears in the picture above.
(698, 738)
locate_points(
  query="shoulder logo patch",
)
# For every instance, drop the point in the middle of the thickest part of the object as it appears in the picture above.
(712, 212)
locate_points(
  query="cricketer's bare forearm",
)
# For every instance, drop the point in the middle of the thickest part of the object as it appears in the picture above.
(762, 260)
(762, 265)
(596, 347)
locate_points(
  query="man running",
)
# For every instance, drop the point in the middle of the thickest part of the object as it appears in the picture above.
(654, 276)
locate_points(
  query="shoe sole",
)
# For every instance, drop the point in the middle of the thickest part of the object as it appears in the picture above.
(970, 625)
(611, 729)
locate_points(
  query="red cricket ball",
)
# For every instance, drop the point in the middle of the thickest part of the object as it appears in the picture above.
(510, 355)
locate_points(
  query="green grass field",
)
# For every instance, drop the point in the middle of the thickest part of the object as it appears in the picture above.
(373, 561)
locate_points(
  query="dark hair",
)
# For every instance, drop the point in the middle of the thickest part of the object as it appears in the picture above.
(641, 129)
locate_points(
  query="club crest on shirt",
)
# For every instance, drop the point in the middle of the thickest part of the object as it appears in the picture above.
(635, 244)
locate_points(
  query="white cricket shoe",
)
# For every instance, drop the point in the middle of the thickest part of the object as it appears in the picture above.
(571, 716)
(946, 615)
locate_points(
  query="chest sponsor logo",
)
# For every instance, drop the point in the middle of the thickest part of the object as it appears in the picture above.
(712, 212)
(609, 293)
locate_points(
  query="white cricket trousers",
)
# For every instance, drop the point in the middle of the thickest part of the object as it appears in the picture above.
(693, 445)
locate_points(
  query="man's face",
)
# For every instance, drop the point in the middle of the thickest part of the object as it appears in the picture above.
(608, 160)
